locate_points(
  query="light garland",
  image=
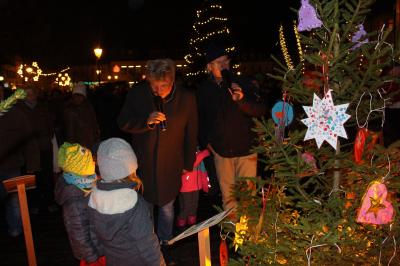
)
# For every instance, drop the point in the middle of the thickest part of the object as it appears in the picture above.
(25, 71)
(196, 42)
(284, 49)
(55, 73)
(208, 35)
(63, 79)
(34, 72)
(208, 21)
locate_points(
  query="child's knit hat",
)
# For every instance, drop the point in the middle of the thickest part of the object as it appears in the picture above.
(116, 159)
(74, 158)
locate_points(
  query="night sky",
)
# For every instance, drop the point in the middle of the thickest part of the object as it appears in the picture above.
(60, 33)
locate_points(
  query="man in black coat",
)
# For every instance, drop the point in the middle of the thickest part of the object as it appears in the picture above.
(19, 154)
(162, 119)
(227, 104)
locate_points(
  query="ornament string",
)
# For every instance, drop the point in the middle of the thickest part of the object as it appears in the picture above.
(282, 121)
(309, 249)
(379, 109)
(394, 248)
(389, 167)
(384, 178)
(221, 234)
(380, 38)
(325, 70)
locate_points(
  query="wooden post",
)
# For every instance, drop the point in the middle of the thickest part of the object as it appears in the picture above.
(18, 184)
(204, 247)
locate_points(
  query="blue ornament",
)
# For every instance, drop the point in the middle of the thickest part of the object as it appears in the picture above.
(282, 113)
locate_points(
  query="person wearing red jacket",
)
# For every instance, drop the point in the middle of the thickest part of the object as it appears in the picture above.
(192, 183)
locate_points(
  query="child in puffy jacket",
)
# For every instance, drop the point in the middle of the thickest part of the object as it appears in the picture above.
(192, 182)
(71, 192)
(120, 215)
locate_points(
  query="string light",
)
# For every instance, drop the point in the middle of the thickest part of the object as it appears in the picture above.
(199, 42)
(26, 72)
(33, 72)
(63, 79)
(55, 73)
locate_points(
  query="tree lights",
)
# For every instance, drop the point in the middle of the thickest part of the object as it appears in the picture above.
(210, 26)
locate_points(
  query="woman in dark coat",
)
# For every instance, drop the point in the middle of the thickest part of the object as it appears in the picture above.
(162, 154)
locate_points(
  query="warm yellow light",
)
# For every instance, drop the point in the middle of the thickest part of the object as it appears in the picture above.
(29, 69)
(98, 71)
(116, 69)
(98, 52)
(115, 77)
(63, 80)
(108, 77)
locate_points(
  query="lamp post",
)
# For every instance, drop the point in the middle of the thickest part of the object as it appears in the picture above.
(98, 52)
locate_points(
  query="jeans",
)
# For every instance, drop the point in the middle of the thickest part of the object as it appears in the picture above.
(165, 220)
(13, 213)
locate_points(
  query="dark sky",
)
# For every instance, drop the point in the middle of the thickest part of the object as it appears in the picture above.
(64, 32)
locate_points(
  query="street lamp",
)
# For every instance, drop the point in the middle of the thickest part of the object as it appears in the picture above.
(98, 52)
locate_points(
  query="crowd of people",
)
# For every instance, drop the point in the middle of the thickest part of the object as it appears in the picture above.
(118, 161)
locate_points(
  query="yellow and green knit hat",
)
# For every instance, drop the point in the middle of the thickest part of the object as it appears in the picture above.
(74, 158)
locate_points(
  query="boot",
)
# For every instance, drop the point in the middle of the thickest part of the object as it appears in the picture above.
(191, 220)
(180, 222)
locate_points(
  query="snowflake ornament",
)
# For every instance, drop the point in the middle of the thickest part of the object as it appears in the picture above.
(325, 120)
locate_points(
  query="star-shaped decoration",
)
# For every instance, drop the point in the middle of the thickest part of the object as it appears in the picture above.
(325, 120)
(376, 205)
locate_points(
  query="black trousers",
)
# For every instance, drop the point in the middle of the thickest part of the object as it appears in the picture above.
(188, 203)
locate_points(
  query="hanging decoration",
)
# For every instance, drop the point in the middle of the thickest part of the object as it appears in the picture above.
(309, 159)
(299, 48)
(360, 142)
(308, 17)
(284, 49)
(223, 249)
(325, 120)
(375, 208)
(357, 36)
(282, 113)
(363, 134)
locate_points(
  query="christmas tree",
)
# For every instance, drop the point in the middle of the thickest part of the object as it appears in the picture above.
(210, 26)
(329, 195)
